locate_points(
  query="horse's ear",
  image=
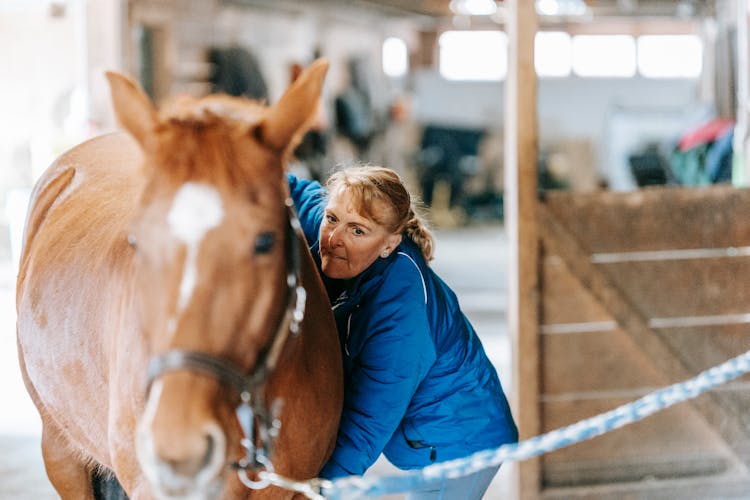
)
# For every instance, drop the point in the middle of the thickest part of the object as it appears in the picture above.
(133, 108)
(296, 108)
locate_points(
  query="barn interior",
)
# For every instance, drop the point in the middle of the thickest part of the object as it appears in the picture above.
(583, 162)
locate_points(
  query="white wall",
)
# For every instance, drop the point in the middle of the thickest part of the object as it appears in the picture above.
(36, 87)
(43, 98)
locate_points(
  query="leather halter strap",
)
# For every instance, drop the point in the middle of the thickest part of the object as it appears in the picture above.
(226, 372)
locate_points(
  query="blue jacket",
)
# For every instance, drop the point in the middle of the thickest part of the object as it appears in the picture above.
(418, 385)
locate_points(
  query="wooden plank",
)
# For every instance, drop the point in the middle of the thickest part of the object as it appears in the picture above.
(716, 407)
(605, 363)
(655, 218)
(564, 298)
(708, 345)
(520, 220)
(725, 486)
(677, 438)
(661, 290)
(701, 287)
(598, 471)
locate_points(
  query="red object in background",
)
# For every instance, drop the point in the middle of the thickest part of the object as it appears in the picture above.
(399, 110)
(708, 132)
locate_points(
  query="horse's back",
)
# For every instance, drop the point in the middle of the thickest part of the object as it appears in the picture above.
(74, 245)
(87, 175)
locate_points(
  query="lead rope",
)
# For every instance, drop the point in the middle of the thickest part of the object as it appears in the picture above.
(354, 487)
(312, 488)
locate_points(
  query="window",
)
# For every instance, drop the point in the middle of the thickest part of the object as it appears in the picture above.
(560, 7)
(395, 57)
(473, 7)
(482, 55)
(552, 53)
(670, 56)
(473, 55)
(604, 56)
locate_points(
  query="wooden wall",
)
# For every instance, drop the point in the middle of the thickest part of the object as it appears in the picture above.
(637, 291)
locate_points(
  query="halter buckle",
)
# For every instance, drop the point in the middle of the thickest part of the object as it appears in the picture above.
(249, 412)
(299, 309)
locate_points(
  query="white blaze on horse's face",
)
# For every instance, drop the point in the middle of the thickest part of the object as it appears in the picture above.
(196, 209)
(167, 483)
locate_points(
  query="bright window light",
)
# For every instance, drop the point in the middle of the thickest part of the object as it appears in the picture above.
(395, 57)
(552, 53)
(473, 55)
(604, 55)
(473, 7)
(560, 7)
(670, 56)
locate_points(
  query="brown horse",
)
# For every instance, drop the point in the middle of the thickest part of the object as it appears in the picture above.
(160, 303)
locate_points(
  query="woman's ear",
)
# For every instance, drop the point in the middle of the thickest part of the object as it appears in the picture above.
(392, 242)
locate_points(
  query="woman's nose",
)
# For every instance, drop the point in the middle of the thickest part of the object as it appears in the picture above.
(334, 238)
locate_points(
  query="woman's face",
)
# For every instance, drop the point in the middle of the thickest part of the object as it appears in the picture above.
(349, 241)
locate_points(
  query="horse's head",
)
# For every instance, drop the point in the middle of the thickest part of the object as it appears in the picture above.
(214, 267)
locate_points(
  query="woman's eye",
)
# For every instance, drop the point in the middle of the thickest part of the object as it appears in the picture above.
(331, 219)
(358, 232)
(264, 243)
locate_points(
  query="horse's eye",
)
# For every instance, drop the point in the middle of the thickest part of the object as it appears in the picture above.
(264, 242)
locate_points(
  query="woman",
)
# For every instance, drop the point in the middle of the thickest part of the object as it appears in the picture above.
(419, 387)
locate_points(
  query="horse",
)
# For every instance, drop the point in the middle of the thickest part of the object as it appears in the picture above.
(172, 327)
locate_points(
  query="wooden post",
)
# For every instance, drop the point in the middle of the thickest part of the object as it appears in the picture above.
(741, 158)
(521, 224)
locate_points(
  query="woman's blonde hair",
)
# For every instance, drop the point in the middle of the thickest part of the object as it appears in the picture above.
(367, 184)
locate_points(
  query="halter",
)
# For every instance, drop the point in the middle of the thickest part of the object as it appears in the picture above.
(252, 408)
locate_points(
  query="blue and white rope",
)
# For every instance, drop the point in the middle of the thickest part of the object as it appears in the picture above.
(354, 487)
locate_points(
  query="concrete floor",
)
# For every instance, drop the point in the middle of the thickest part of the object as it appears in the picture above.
(471, 260)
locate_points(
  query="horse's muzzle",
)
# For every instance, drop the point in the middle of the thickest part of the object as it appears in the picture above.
(191, 467)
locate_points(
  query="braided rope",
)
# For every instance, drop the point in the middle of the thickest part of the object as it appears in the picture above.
(354, 487)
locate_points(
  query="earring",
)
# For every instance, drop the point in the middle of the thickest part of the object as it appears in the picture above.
(385, 254)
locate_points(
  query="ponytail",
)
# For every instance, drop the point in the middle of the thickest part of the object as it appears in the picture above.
(416, 230)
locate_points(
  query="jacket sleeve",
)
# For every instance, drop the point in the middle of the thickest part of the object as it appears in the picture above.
(309, 200)
(394, 357)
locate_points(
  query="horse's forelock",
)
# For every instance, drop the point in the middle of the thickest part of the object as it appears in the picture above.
(211, 109)
(194, 139)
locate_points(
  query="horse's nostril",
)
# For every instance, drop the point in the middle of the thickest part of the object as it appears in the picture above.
(192, 466)
(214, 457)
(210, 448)
(185, 468)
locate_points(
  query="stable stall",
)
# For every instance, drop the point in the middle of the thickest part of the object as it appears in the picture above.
(638, 291)
(614, 295)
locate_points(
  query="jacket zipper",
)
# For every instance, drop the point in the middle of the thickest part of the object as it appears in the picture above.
(348, 332)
